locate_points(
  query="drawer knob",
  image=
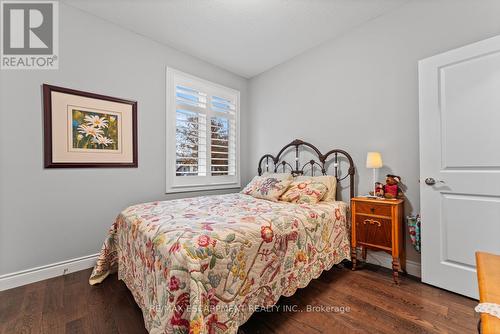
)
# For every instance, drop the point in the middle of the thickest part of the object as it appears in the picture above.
(372, 210)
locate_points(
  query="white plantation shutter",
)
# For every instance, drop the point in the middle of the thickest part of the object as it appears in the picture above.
(190, 132)
(202, 134)
(222, 136)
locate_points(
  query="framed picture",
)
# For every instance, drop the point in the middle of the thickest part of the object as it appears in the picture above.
(88, 130)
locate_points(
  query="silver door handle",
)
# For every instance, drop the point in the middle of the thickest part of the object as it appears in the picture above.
(431, 181)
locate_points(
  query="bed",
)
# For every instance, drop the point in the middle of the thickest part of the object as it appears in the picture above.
(205, 264)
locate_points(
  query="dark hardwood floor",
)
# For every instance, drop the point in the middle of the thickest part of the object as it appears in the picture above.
(371, 302)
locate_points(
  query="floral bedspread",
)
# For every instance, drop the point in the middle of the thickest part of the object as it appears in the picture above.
(204, 264)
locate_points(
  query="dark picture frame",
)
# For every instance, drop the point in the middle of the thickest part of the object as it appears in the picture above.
(48, 130)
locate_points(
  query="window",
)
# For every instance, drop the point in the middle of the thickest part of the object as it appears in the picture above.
(202, 134)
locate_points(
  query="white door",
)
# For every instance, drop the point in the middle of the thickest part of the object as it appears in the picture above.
(459, 163)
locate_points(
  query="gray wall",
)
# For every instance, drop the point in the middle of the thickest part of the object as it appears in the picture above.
(48, 216)
(360, 91)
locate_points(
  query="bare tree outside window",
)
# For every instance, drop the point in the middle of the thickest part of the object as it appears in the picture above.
(187, 144)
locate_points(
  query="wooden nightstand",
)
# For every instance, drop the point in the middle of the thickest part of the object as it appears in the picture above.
(377, 224)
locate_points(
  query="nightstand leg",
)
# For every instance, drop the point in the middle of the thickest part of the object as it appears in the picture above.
(353, 257)
(364, 253)
(395, 270)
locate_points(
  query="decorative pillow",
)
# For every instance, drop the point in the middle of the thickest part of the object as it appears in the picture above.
(307, 191)
(268, 186)
(329, 181)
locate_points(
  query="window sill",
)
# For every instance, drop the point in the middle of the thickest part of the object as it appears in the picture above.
(184, 189)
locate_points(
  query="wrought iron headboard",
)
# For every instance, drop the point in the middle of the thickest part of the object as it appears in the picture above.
(334, 154)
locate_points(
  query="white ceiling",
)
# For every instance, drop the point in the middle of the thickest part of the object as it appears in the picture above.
(246, 37)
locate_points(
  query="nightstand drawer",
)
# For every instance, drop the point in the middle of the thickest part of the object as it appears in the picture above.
(373, 209)
(373, 231)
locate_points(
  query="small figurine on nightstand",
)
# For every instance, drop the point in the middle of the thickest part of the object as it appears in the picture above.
(392, 188)
(379, 189)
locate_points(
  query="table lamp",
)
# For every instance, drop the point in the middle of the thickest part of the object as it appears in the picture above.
(374, 161)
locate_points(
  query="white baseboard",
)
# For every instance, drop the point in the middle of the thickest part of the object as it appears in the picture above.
(385, 260)
(12, 280)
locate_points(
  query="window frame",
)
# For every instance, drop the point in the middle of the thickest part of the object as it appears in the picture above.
(177, 184)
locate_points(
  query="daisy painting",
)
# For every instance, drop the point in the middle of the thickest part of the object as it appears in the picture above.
(88, 130)
(94, 130)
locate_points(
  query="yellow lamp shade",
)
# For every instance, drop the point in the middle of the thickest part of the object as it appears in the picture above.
(374, 160)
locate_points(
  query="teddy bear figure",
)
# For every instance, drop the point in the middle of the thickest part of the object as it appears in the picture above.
(379, 189)
(391, 189)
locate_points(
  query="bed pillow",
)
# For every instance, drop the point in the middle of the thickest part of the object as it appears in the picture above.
(305, 192)
(268, 186)
(329, 181)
